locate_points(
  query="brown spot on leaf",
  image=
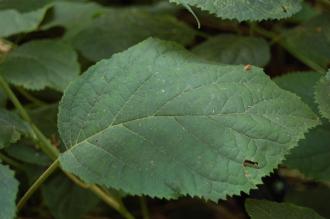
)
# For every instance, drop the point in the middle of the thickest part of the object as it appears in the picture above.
(252, 164)
(247, 67)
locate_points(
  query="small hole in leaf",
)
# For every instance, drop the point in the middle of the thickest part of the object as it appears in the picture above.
(285, 9)
(252, 164)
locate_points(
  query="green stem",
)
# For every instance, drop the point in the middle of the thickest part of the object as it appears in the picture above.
(37, 184)
(30, 97)
(53, 153)
(144, 208)
(113, 202)
(10, 161)
(14, 99)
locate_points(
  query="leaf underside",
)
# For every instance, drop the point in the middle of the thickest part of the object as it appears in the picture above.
(242, 10)
(156, 120)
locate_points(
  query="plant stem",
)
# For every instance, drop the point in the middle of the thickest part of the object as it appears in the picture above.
(11, 161)
(53, 153)
(31, 98)
(113, 202)
(37, 184)
(144, 208)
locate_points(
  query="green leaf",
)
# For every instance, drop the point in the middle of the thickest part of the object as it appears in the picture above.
(14, 22)
(11, 128)
(3, 98)
(322, 95)
(261, 209)
(234, 49)
(157, 112)
(315, 197)
(23, 5)
(253, 10)
(66, 200)
(128, 27)
(302, 84)
(28, 154)
(45, 118)
(8, 191)
(312, 155)
(73, 16)
(306, 13)
(310, 42)
(39, 64)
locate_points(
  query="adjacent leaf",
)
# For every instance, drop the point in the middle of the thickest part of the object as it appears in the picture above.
(11, 128)
(23, 5)
(310, 42)
(28, 154)
(255, 10)
(73, 16)
(3, 98)
(261, 209)
(39, 64)
(8, 191)
(157, 112)
(45, 119)
(302, 84)
(313, 154)
(313, 197)
(322, 95)
(128, 27)
(306, 13)
(66, 200)
(13, 22)
(234, 49)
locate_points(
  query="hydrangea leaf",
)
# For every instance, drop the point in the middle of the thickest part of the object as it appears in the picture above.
(39, 64)
(157, 112)
(234, 49)
(14, 22)
(312, 155)
(128, 27)
(322, 95)
(8, 191)
(310, 42)
(66, 200)
(261, 209)
(11, 128)
(242, 10)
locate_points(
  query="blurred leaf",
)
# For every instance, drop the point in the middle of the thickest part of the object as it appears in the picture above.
(312, 155)
(128, 27)
(322, 95)
(23, 5)
(45, 118)
(262, 209)
(28, 154)
(11, 128)
(66, 200)
(235, 49)
(316, 198)
(14, 22)
(39, 64)
(310, 42)
(253, 10)
(157, 112)
(306, 13)
(73, 16)
(3, 98)
(8, 191)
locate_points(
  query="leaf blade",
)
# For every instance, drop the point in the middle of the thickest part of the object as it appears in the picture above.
(185, 126)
